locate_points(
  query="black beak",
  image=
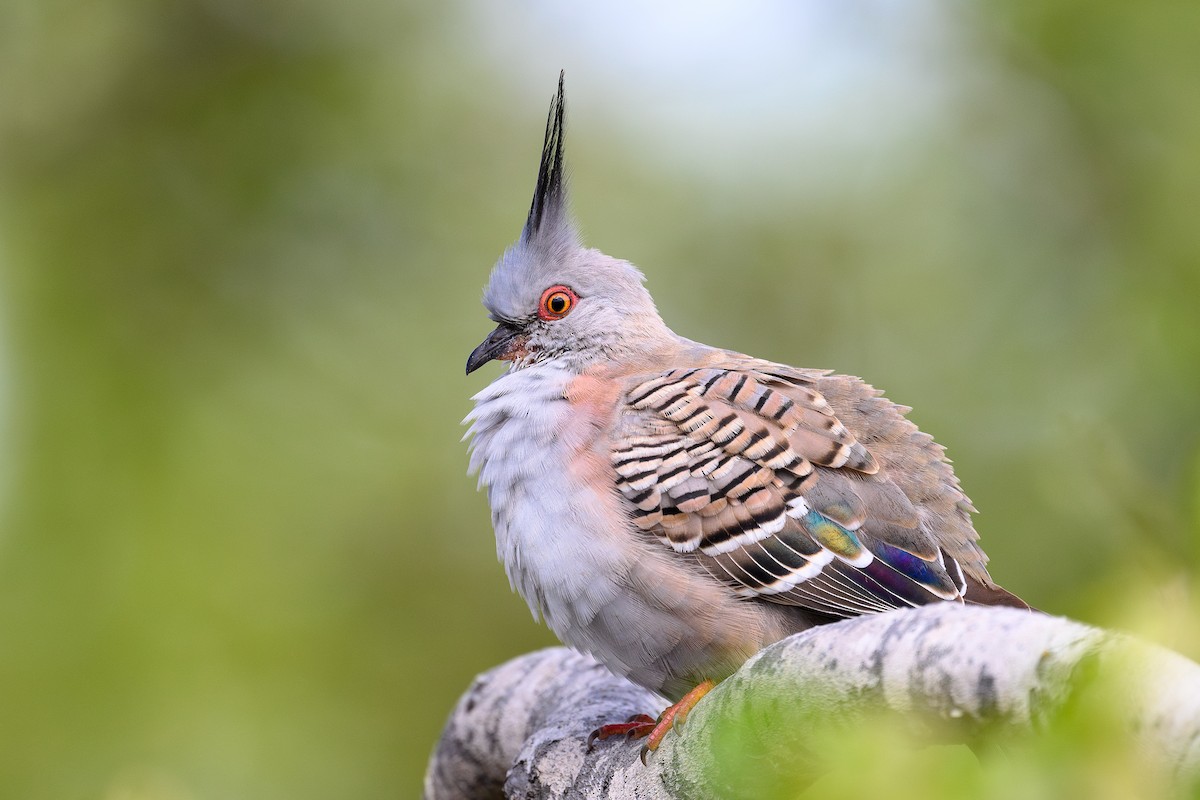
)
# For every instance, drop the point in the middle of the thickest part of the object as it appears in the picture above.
(496, 345)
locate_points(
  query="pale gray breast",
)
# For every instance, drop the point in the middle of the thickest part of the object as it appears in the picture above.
(554, 533)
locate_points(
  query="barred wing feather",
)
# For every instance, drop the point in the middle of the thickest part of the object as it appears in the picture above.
(750, 471)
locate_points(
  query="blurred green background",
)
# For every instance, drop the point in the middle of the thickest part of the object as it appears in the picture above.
(241, 252)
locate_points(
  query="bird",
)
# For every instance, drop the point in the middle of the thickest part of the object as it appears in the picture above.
(672, 508)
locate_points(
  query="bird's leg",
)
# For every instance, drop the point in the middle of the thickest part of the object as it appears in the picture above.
(654, 730)
(675, 715)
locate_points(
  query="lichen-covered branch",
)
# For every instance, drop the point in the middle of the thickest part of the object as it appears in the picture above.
(944, 671)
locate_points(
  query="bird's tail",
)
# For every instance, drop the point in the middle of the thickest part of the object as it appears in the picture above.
(981, 594)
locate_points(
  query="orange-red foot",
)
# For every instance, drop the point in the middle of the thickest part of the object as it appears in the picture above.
(655, 731)
(635, 727)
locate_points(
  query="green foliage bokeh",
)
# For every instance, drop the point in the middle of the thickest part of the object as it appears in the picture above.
(241, 248)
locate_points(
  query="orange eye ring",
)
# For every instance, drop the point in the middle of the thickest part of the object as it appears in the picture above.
(556, 303)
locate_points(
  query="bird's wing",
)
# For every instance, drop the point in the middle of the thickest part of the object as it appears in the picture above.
(748, 469)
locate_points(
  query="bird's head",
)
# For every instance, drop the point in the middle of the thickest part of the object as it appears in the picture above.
(553, 298)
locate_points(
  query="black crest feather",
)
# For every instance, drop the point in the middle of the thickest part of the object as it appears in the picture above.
(549, 196)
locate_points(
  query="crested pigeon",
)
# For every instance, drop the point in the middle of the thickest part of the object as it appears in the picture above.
(671, 508)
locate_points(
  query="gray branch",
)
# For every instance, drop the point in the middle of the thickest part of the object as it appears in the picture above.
(945, 671)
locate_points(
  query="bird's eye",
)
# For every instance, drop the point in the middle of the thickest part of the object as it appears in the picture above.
(557, 302)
